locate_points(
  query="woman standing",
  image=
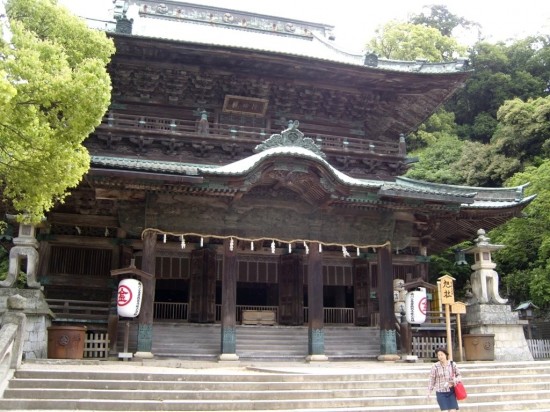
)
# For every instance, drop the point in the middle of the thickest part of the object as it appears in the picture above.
(443, 376)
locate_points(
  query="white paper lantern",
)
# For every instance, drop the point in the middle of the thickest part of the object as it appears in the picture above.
(416, 305)
(130, 293)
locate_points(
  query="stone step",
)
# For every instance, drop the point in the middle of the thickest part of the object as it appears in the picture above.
(493, 403)
(479, 385)
(123, 386)
(195, 392)
(475, 374)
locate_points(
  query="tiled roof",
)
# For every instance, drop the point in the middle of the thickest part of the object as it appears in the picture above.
(242, 167)
(464, 196)
(124, 163)
(484, 197)
(315, 45)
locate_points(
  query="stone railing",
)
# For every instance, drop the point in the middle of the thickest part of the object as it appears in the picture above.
(12, 338)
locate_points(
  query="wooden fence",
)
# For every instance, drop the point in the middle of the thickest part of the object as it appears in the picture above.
(425, 346)
(96, 345)
(540, 348)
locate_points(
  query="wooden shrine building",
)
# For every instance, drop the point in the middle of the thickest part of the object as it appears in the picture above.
(246, 160)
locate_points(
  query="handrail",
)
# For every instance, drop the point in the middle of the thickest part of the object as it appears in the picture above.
(179, 128)
(8, 334)
(10, 352)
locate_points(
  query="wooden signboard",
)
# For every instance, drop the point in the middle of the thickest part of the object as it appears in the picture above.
(447, 292)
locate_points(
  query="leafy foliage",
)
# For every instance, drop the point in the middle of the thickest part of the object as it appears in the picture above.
(495, 130)
(439, 17)
(436, 162)
(526, 258)
(524, 129)
(54, 90)
(406, 41)
(501, 72)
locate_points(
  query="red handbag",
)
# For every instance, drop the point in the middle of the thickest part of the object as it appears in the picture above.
(460, 390)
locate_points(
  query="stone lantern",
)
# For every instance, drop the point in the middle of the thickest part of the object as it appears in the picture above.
(525, 311)
(484, 279)
(495, 332)
(25, 247)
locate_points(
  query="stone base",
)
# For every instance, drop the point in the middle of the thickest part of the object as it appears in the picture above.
(228, 357)
(389, 358)
(499, 320)
(125, 355)
(409, 358)
(39, 316)
(316, 358)
(144, 355)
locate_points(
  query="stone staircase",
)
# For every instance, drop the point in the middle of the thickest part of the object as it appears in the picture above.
(277, 343)
(335, 386)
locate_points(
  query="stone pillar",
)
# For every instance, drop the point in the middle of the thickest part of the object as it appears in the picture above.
(388, 343)
(316, 333)
(229, 303)
(145, 322)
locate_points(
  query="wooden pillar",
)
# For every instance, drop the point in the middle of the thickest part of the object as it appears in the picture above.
(202, 286)
(145, 322)
(291, 290)
(229, 303)
(388, 344)
(361, 292)
(316, 333)
(424, 263)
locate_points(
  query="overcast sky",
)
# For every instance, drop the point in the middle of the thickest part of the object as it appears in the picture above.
(356, 20)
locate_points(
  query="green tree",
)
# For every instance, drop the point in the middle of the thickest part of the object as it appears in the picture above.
(501, 72)
(54, 90)
(524, 129)
(525, 261)
(436, 161)
(439, 17)
(482, 165)
(438, 125)
(407, 41)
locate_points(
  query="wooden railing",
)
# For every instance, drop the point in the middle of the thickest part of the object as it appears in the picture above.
(79, 311)
(170, 310)
(174, 128)
(179, 311)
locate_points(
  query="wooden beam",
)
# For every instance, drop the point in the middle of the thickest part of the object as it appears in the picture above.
(83, 220)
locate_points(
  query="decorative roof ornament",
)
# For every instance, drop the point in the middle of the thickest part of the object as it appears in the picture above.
(290, 137)
(123, 23)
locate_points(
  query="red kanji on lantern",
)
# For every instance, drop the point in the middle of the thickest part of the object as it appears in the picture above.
(124, 295)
